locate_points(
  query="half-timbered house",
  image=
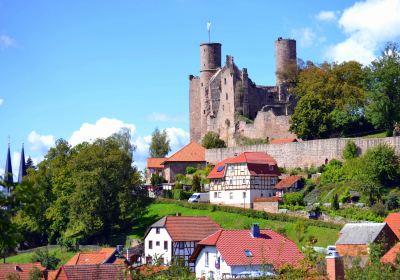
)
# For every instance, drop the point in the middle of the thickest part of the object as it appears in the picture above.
(239, 180)
(173, 238)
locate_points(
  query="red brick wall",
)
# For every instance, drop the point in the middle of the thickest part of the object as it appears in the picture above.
(335, 268)
(352, 250)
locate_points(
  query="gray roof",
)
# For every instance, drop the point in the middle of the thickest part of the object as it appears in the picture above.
(360, 233)
(159, 223)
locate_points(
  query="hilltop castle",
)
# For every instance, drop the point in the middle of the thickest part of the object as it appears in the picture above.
(226, 101)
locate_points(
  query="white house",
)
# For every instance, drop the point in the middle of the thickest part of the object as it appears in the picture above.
(241, 253)
(239, 180)
(175, 237)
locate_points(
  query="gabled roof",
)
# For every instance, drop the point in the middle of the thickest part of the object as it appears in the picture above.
(253, 157)
(393, 221)
(288, 182)
(90, 272)
(269, 248)
(258, 163)
(360, 233)
(192, 152)
(22, 270)
(97, 257)
(187, 228)
(284, 140)
(391, 256)
(155, 162)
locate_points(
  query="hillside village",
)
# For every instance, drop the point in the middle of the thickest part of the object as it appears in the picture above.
(297, 180)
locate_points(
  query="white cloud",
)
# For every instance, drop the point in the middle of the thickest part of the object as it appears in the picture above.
(161, 117)
(367, 24)
(40, 143)
(305, 36)
(1, 101)
(6, 41)
(326, 16)
(103, 128)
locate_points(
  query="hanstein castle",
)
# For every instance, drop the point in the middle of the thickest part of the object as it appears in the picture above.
(226, 101)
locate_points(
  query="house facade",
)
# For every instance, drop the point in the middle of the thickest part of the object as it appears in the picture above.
(154, 166)
(243, 253)
(239, 180)
(173, 238)
(289, 184)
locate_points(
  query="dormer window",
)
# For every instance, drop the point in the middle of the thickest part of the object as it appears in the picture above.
(248, 253)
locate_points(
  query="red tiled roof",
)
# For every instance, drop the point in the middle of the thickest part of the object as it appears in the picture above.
(147, 270)
(253, 157)
(22, 270)
(92, 257)
(215, 174)
(285, 140)
(91, 272)
(257, 163)
(393, 221)
(267, 199)
(191, 152)
(391, 256)
(183, 228)
(287, 182)
(155, 163)
(270, 247)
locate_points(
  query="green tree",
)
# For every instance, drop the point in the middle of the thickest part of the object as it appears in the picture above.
(47, 260)
(211, 140)
(156, 179)
(159, 146)
(196, 183)
(330, 100)
(350, 150)
(9, 235)
(295, 198)
(30, 164)
(35, 274)
(383, 85)
(335, 202)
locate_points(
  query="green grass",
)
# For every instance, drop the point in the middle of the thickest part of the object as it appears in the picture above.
(62, 254)
(325, 236)
(376, 135)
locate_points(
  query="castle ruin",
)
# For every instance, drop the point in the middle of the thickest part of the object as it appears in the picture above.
(226, 101)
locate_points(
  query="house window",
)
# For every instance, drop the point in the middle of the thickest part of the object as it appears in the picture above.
(150, 244)
(215, 194)
(204, 112)
(248, 253)
(158, 230)
(181, 245)
(207, 260)
(157, 243)
(165, 245)
(244, 181)
(231, 195)
(219, 194)
(230, 181)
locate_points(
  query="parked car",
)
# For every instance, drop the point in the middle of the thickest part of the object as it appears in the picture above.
(199, 197)
(330, 250)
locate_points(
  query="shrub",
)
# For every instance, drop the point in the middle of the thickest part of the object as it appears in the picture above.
(190, 170)
(378, 209)
(46, 259)
(157, 180)
(335, 202)
(211, 140)
(295, 198)
(196, 186)
(392, 201)
(350, 150)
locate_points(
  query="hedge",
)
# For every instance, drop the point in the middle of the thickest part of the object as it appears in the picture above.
(250, 213)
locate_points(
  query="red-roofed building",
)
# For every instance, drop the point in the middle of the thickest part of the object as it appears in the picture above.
(18, 271)
(105, 255)
(391, 256)
(393, 221)
(193, 154)
(176, 237)
(241, 253)
(239, 180)
(288, 184)
(90, 272)
(154, 166)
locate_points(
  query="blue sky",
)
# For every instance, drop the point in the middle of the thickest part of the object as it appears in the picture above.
(82, 69)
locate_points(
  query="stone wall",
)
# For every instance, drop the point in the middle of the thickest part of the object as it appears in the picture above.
(302, 154)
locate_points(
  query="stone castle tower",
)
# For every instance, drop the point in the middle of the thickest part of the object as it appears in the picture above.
(226, 101)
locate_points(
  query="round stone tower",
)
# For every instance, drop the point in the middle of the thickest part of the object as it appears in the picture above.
(286, 57)
(210, 61)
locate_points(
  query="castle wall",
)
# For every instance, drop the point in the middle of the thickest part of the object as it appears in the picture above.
(194, 109)
(267, 125)
(302, 154)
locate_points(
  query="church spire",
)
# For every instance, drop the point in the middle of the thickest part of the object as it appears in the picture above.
(22, 166)
(8, 176)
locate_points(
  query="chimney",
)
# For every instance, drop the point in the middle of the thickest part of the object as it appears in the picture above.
(255, 230)
(335, 267)
(178, 214)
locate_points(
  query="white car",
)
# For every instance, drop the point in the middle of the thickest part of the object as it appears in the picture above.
(330, 250)
(199, 197)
